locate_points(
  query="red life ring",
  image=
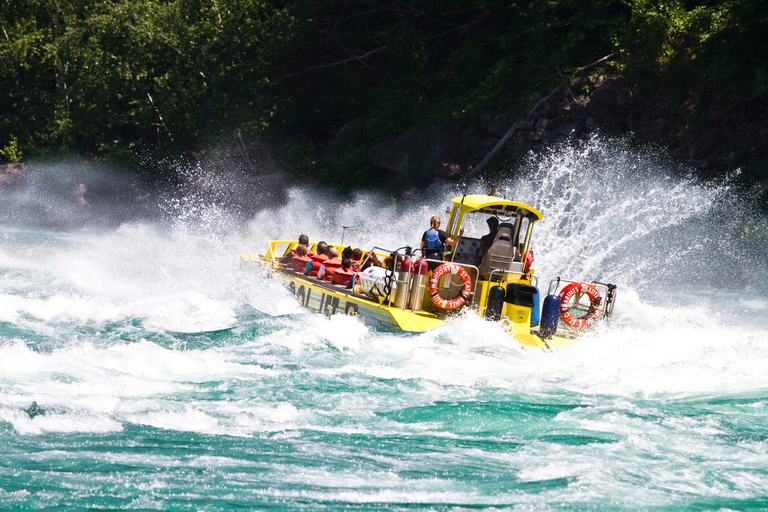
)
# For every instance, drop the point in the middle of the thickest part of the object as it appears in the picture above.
(594, 308)
(466, 286)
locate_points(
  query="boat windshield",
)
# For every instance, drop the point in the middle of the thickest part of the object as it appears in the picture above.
(475, 224)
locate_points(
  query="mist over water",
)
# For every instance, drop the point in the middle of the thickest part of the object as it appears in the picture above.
(171, 378)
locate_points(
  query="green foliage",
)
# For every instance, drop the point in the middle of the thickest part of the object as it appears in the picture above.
(11, 151)
(351, 170)
(297, 157)
(121, 78)
(738, 52)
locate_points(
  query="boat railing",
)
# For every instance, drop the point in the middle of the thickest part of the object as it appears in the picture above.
(502, 273)
(280, 247)
(607, 293)
(471, 270)
(408, 282)
(380, 251)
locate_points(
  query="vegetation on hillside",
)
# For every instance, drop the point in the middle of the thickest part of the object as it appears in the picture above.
(122, 78)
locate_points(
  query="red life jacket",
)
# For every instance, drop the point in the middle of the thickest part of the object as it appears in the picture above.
(293, 253)
(331, 266)
(317, 260)
(342, 276)
(300, 263)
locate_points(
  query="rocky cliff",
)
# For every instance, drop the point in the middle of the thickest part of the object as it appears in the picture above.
(713, 140)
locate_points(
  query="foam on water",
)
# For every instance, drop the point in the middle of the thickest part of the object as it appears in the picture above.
(148, 346)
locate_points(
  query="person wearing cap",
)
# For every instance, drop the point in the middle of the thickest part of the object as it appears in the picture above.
(487, 241)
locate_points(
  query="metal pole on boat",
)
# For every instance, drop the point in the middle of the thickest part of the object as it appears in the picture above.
(453, 252)
(456, 241)
(342, 235)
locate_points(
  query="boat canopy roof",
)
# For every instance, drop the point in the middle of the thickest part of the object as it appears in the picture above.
(492, 205)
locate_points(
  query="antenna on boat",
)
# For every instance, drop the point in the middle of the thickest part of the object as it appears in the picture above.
(342, 235)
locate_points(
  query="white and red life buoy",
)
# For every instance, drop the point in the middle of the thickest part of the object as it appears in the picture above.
(434, 292)
(567, 293)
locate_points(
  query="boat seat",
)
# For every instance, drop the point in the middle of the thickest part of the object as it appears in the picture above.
(501, 254)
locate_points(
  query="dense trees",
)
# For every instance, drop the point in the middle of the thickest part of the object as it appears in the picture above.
(114, 77)
(120, 77)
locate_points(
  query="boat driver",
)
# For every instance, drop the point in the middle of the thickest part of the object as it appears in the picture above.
(487, 241)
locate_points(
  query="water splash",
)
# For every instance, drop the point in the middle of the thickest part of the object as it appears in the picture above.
(161, 363)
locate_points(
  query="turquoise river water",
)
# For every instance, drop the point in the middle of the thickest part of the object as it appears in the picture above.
(166, 377)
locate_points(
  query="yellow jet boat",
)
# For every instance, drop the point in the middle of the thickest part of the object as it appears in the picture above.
(499, 283)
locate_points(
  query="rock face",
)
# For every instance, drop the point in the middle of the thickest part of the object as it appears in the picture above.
(426, 153)
(11, 173)
(721, 138)
(608, 108)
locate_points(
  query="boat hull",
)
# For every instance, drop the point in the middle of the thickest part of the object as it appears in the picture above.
(328, 299)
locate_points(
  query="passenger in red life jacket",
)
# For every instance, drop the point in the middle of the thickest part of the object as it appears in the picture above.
(357, 258)
(344, 274)
(303, 240)
(299, 261)
(314, 263)
(329, 266)
(370, 261)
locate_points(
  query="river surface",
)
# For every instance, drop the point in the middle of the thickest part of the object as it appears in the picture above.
(166, 377)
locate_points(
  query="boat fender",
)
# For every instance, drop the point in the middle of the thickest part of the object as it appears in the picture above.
(536, 311)
(434, 292)
(594, 307)
(550, 314)
(495, 303)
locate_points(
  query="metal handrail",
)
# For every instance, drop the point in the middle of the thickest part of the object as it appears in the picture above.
(501, 270)
(465, 266)
(603, 289)
(512, 272)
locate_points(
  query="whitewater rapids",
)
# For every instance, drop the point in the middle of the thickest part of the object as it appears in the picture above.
(170, 378)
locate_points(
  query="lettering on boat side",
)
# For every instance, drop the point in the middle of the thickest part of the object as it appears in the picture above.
(303, 298)
(328, 303)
